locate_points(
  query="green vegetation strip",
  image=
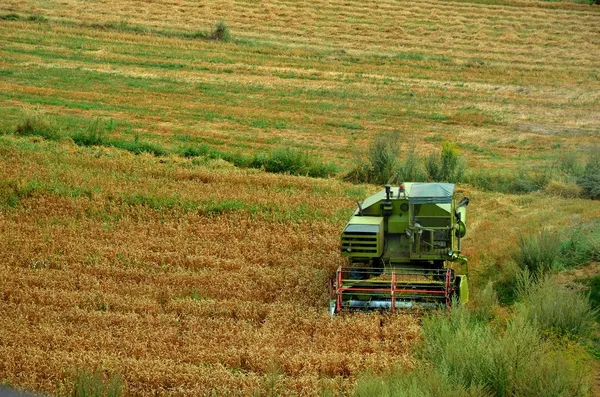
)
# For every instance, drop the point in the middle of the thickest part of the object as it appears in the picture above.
(283, 161)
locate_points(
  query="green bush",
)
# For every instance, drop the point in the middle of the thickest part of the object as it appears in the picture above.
(568, 162)
(557, 309)
(582, 246)
(593, 286)
(411, 169)
(283, 161)
(518, 182)
(38, 125)
(486, 302)
(511, 362)
(193, 151)
(10, 17)
(538, 253)
(296, 162)
(590, 180)
(506, 283)
(383, 155)
(221, 32)
(447, 166)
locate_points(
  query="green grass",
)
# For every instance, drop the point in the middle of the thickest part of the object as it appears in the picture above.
(94, 384)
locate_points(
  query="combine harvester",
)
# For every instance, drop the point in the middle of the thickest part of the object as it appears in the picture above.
(403, 248)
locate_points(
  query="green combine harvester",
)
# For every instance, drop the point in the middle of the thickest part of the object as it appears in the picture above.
(403, 248)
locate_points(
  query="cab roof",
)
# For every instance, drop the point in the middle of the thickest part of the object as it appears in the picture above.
(417, 193)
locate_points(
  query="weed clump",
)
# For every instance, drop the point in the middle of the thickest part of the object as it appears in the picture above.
(95, 384)
(557, 309)
(278, 161)
(538, 254)
(590, 180)
(295, 162)
(38, 125)
(137, 146)
(13, 191)
(383, 163)
(221, 32)
(447, 165)
(94, 136)
(10, 17)
(516, 361)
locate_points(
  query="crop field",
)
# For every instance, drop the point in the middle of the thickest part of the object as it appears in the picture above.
(138, 254)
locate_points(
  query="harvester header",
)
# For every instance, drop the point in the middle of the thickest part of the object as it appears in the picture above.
(403, 248)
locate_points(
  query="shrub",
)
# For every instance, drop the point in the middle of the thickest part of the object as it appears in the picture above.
(221, 32)
(10, 17)
(447, 166)
(564, 189)
(513, 362)
(568, 163)
(593, 285)
(38, 125)
(538, 254)
(506, 285)
(518, 182)
(283, 161)
(383, 156)
(590, 180)
(193, 151)
(555, 308)
(411, 169)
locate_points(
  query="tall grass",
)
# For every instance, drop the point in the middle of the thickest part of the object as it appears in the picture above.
(95, 384)
(37, 125)
(422, 382)
(447, 165)
(295, 162)
(515, 361)
(557, 309)
(279, 160)
(384, 163)
(464, 356)
(514, 182)
(538, 253)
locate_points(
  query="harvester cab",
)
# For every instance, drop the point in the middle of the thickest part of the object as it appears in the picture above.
(403, 248)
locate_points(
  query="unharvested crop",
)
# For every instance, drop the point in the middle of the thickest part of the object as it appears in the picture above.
(186, 268)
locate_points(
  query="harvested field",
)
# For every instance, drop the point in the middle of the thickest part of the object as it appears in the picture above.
(189, 276)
